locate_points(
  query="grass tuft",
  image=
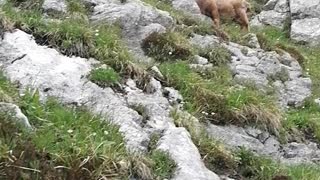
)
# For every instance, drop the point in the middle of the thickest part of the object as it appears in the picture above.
(167, 46)
(104, 77)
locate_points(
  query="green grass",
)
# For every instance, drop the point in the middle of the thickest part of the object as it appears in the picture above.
(218, 55)
(167, 46)
(104, 77)
(216, 100)
(304, 118)
(72, 36)
(262, 168)
(70, 142)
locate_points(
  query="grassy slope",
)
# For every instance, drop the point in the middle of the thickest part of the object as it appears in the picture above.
(74, 35)
(212, 92)
(70, 143)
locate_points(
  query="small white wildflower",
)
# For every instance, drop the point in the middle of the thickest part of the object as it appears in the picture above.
(203, 112)
(106, 132)
(70, 131)
(96, 34)
(94, 134)
(97, 30)
(170, 53)
(213, 113)
(308, 69)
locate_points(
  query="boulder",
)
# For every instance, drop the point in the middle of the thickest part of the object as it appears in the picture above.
(137, 20)
(54, 7)
(14, 114)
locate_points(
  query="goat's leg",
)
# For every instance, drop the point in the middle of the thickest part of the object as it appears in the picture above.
(243, 19)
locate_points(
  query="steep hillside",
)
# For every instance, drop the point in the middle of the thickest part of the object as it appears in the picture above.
(146, 89)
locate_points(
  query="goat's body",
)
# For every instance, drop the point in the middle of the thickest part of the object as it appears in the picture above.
(236, 9)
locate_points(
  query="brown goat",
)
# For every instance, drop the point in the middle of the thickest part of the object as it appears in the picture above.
(236, 9)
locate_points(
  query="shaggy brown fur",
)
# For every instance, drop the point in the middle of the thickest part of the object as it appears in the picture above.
(236, 9)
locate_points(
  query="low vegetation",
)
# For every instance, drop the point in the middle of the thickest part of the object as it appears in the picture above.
(70, 143)
(87, 148)
(104, 77)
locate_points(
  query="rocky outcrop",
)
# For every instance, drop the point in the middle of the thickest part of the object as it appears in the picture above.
(137, 19)
(262, 143)
(305, 25)
(303, 16)
(275, 13)
(13, 113)
(138, 114)
(264, 69)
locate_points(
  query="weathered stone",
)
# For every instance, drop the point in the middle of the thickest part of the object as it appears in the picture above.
(186, 154)
(174, 97)
(137, 19)
(55, 75)
(292, 153)
(54, 7)
(306, 30)
(156, 72)
(252, 40)
(317, 101)
(261, 68)
(42, 68)
(14, 113)
(301, 9)
(153, 86)
(200, 60)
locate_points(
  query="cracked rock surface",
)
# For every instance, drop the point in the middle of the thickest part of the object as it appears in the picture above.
(265, 70)
(304, 18)
(31, 65)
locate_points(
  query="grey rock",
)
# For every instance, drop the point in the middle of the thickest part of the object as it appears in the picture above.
(153, 86)
(156, 72)
(175, 141)
(137, 19)
(317, 101)
(204, 41)
(301, 9)
(185, 154)
(200, 60)
(270, 5)
(174, 97)
(304, 17)
(292, 153)
(62, 77)
(14, 113)
(44, 68)
(306, 30)
(201, 68)
(261, 68)
(252, 40)
(272, 18)
(296, 153)
(275, 13)
(54, 6)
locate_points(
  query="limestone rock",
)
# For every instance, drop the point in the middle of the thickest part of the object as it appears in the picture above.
(292, 153)
(186, 154)
(137, 19)
(262, 68)
(55, 75)
(54, 6)
(14, 113)
(306, 30)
